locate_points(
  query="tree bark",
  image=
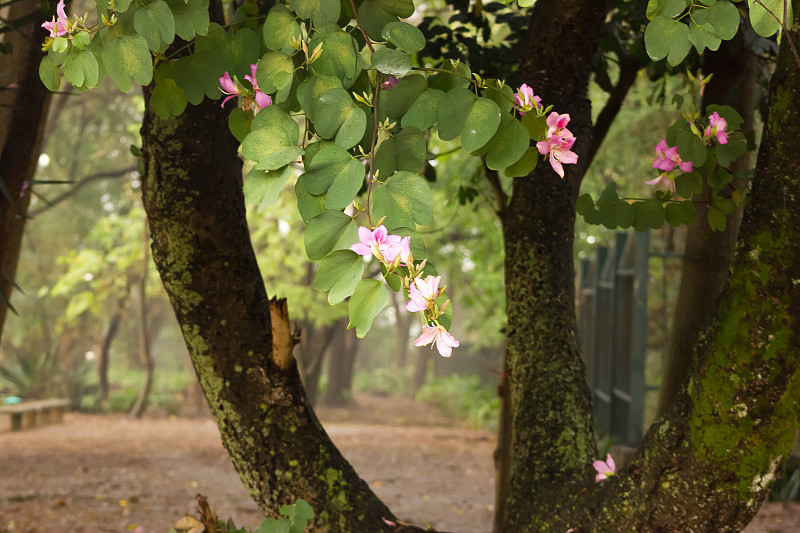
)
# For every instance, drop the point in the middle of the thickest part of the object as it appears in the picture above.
(552, 430)
(242, 356)
(707, 254)
(21, 129)
(341, 361)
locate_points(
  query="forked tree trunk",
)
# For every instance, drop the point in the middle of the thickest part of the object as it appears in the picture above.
(23, 114)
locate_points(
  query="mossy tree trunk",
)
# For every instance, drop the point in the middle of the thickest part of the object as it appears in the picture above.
(242, 356)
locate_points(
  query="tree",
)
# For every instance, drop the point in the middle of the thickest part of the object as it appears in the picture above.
(713, 457)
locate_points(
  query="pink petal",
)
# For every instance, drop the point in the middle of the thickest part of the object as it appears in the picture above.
(263, 100)
(446, 343)
(655, 181)
(379, 235)
(429, 334)
(557, 166)
(226, 100)
(543, 147)
(661, 147)
(568, 157)
(227, 85)
(365, 236)
(687, 166)
(612, 467)
(361, 249)
(722, 137)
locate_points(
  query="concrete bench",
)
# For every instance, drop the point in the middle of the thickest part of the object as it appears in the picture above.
(35, 413)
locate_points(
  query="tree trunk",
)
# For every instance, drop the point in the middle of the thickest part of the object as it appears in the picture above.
(145, 354)
(313, 346)
(708, 254)
(23, 113)
(402, 324)
(502, 452)
(341, 361)
(552, 429)
(105, 355)
(242, 356)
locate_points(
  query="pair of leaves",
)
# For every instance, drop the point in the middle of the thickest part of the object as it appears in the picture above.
(475, 119)
(272, 143)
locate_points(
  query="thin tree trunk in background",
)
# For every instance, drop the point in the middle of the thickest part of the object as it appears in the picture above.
(341, 361)
(707, 254)
(145, 354)
(311, 350)
(402, 325)
(23, 114)
(105, 349)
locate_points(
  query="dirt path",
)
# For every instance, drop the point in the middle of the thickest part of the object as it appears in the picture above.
(98, 474)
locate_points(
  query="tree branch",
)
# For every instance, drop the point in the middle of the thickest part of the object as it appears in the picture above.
(118, 173)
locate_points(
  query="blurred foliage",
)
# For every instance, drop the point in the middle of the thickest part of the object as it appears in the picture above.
(383, 381)
(465, 398)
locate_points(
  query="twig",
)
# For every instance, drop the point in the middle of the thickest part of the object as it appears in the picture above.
(79, 185)
(783, 27)
(497, 188)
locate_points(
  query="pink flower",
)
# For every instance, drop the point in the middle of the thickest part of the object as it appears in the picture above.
(60, 26)
(557, 125)
(378, 243)
(557, 150)
(604, 469)
(423, 293)
(440, 338)
(400, 251)
(254, 99)
(526, 100)
(667, 157)
(390, 83)
(716, 128)
(664, 179)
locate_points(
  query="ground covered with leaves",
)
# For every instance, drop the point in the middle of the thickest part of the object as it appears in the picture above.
(113, 474)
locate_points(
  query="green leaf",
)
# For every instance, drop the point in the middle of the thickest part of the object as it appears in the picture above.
(424, 112)
(128, 57)
(373, 19)
(453, 112)
(764, 23)
(404, 199)
(624, 214)
(405, 151)
(270, 145)
(731, 116)
(81, 68)
(167, 99)
(690, 147)
(524, 166)
(716, 220)
(240, 51)
(335, 173)
(60, 45)
(81, 39)
(703, 37)
(687, 184)
(673, 215)
(672, 8)
(308, 205)
(335, 114)
(263, 187)
(369, 298)
(728, 153)
(280, 29)
(329, 231)
(724, 17)
(503, 97)
(339, 273)
(392, 62)
(400, 8)
(275, 525)
(483, 119)
(240, 123)
(300, 513)
(155, 23)
(535, 124)
(508, 144)
(396, 102)
(191, 17)
(321, 11)
(688, 211)
(649, 213)
(584, 204)
(270, 67)
(339, 57)
(404, 36)
(445, 81)
(665, 37)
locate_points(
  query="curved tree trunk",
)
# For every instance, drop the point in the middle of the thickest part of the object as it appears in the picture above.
(708, 254)
(23, 115)
(145, 336)
(202, 249)
(105, 355)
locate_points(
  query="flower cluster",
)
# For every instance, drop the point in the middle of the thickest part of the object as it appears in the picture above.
(558, 143)
(59, 26)
(253, 99)
(716, 128)
(667, 159)
(526, 101)
(394, 251)
(605, 469)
